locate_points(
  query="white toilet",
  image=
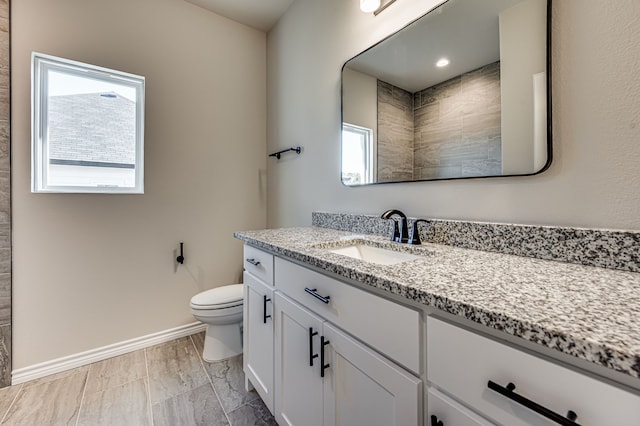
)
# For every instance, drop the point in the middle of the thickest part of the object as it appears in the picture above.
(221, 309)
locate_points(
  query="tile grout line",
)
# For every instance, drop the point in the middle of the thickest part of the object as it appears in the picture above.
(15, 398)
(84, 391)
(148, 386)
(215, 392)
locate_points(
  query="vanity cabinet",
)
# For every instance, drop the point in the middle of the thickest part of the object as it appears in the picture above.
(321, 352)
(325, 377)
(338, 355)
(258, 329)
(391, 329)
(461, 364)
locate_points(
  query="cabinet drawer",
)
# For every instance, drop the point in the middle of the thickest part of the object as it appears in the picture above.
(462, 363)
(392, 329)
(258, 263)
(449, 412)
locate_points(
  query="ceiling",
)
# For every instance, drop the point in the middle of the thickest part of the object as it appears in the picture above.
(259, 14)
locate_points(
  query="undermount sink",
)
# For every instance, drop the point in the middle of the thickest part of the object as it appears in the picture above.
(372, 254)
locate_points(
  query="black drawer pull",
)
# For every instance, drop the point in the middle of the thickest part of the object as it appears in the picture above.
(569, 420)
(265, 299)
(253, 261)
(312, 356)
(312, 291)
(323, 366)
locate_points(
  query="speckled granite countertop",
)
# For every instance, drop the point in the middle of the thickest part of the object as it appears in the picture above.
(590, 313)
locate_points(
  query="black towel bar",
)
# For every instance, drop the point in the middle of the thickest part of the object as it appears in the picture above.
(297, 149)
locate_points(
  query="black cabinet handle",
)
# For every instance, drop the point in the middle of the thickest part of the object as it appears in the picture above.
(436, 422)
(323, 366)
(508, 391)
(265, 299)
(253, 261)
(312, 356)
(312, 291)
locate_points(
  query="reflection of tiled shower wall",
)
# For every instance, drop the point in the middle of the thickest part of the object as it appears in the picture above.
(395, 133)
(457, 126)
(5, 202)
(451, 129)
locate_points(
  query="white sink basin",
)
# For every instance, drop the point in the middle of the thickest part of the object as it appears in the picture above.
(374, 254)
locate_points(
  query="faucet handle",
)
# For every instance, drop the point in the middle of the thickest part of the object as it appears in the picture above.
(414, 238)
(395, 232)
(404, 234)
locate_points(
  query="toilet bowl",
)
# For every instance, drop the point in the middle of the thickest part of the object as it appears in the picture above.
(221, 309)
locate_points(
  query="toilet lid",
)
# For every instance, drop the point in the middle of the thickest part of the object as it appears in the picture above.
(228, 295)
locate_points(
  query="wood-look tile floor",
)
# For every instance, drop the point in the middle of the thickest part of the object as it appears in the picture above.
(166, 384)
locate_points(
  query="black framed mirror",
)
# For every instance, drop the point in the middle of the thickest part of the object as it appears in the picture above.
(462, 92)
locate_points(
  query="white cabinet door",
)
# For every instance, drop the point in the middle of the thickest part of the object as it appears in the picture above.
(362, 388)
(298, 383)
(258, 337)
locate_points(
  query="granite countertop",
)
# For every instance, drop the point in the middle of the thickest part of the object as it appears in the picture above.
(588, 312)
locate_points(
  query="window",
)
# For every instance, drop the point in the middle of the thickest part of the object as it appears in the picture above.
(357, 155)
(87, 128)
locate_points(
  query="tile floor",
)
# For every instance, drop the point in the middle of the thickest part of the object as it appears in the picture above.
(166, 384)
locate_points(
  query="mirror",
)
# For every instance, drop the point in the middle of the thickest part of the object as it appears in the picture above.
(459, 93)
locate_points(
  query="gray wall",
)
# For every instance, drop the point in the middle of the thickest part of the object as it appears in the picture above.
(594, 178)
(522, 56)
(395, 133)
(457, 126)
(451, 129)
(5, 202)
(448, 130)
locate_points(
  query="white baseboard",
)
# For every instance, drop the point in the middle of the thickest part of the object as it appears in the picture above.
(36, 371)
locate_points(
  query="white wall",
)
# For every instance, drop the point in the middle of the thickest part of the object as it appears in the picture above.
(361, 100)
(92, 270)
(592, 182)
(522, 56)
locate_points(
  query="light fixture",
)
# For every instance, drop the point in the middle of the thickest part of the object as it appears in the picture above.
(442, 62)
(368, 6)
(375, 6)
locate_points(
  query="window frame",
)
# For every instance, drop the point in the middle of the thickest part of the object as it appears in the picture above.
(369, 149)
(41, 64)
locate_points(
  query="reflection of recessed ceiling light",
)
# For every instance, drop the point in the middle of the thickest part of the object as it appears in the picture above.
(442, 63)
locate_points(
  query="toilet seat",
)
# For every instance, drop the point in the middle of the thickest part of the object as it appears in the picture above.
(228, 296)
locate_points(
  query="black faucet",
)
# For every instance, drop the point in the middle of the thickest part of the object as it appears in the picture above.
(400, 235)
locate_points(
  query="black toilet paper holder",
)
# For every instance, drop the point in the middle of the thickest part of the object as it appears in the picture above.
(180, 259)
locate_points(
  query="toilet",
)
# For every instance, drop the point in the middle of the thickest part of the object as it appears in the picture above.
(221, 309)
